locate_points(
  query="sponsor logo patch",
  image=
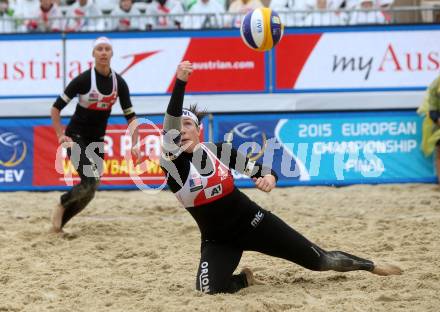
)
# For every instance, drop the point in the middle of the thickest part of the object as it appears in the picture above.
(213, 191)
(195, 183)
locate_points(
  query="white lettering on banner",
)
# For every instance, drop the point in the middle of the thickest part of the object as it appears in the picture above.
(379, 128)
(152, 146)
(125, 144)
(372, 147)
(11, 175)
(223, 65)
(364, 166)
(314, 130)
(108, 146)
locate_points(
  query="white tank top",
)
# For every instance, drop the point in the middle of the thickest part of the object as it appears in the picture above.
(94, 99)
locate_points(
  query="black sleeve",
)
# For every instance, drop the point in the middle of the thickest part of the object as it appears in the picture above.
(79, 85)
(241, 163)
(176, 101)
(174, 162)
(176, 171)
(434, 115)
(124, 98)
(172, 121)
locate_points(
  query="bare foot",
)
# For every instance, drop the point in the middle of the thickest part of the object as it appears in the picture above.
(251, 280)
(57, 219)
(53, 230)
(385, 269)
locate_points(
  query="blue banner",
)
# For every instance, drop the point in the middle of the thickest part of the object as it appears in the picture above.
(16, 156)
(28, 152)
(332, 148)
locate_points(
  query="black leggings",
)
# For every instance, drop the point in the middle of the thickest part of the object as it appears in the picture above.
(272, 237)
(86, 157)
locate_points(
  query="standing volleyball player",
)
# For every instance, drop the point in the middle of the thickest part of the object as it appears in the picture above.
(230, 223)
(97, 90)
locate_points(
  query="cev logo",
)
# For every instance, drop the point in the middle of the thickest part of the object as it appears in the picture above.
(250, 133)
(13, 152)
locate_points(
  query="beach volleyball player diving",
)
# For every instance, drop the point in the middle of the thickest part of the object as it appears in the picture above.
(199, 175)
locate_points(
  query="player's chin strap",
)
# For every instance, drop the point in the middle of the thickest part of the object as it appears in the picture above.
(189, 114)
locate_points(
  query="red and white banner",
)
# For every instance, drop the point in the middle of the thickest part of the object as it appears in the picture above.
(50, 170)
(52, 166)
(31, 67)
(356, 60)
(147, 64)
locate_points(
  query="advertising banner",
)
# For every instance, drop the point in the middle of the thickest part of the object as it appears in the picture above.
(352, 59)
(31, 159)
(16, 155)
(34, 68)
(357, 60)
(147, 64)
(332, 148)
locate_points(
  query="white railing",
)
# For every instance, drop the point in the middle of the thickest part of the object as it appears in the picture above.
(308, 18)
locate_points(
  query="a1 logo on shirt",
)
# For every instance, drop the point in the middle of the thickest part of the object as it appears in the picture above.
(213, 191)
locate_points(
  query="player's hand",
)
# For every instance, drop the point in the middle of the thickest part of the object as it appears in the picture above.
(136, 153)
(266, 183)
(65, 141)
(184, 69)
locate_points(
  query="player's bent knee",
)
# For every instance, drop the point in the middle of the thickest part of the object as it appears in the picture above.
(88, 189)
(90, 185)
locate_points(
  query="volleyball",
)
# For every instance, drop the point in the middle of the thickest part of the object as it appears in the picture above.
(261, 29)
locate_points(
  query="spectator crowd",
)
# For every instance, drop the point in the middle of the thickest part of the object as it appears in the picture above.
(123, 15)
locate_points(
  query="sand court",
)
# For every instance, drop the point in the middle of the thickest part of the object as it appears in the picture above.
(136, 251)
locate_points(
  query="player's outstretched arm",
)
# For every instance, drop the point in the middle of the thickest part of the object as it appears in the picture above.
(172, 123)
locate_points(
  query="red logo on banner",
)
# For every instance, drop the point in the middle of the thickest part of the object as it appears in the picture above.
(291, 55)
(224, 64)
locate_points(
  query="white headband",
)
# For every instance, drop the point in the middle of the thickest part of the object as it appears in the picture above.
(102, 40)
(189, 114)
